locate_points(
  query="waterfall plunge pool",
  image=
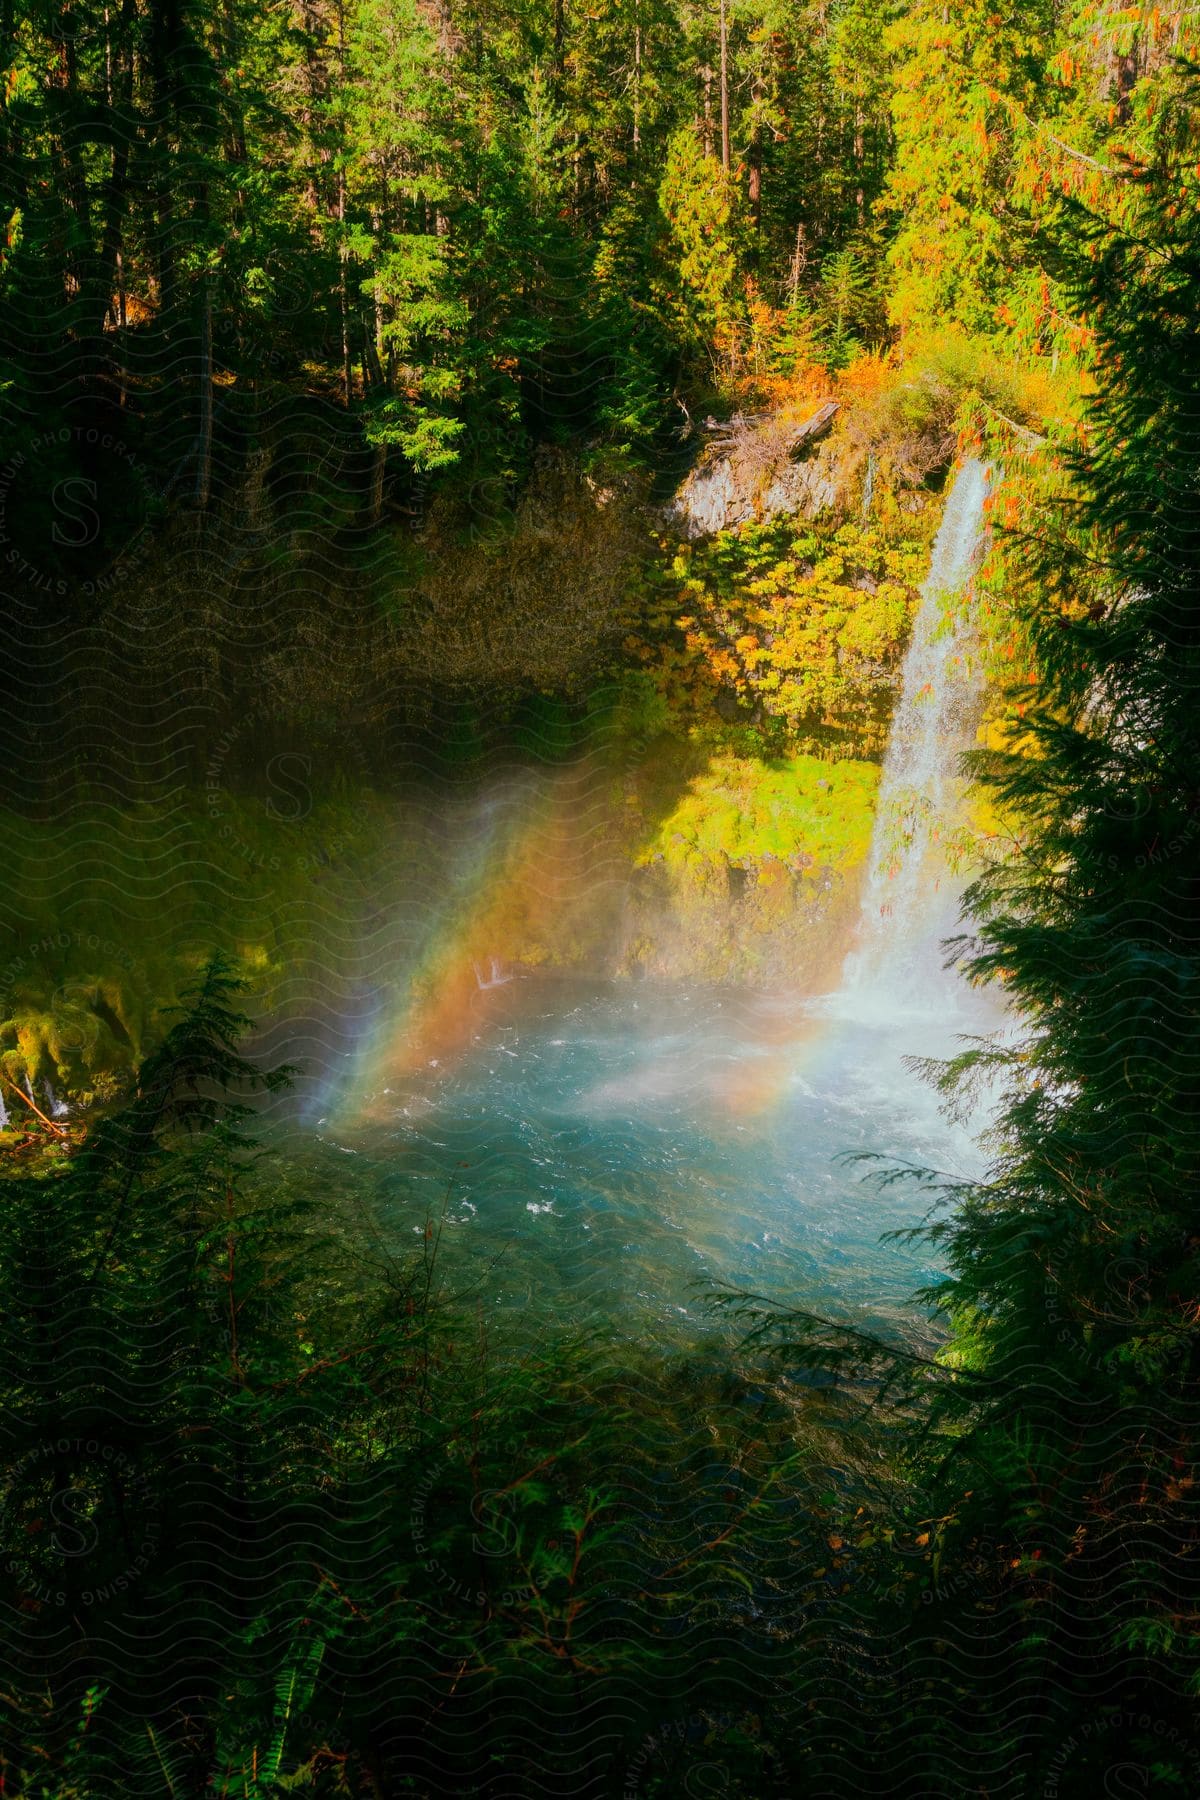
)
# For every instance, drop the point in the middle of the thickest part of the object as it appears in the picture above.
(609, 1153)
(606, 1154)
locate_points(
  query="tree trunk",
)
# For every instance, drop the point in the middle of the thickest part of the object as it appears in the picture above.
(378, 224)
(344, 303)
(164, 26)
(378, 470)
(343, 284)
(798, 261)
(118, 97)
(637, 73)
(756, 155)
(725, 157)
(204, 442)
(860, 197)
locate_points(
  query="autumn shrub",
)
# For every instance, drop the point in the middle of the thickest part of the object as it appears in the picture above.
(791, 627)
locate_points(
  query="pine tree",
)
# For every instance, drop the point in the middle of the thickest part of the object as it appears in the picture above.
(1067, 1432)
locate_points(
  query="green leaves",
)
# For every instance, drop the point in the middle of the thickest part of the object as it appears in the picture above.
(701, 209)
(849, 302)
(428, 439)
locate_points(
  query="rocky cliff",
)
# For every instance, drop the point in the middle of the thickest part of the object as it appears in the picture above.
(758, 468)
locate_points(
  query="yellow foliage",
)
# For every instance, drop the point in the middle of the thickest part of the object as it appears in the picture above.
(801, 625)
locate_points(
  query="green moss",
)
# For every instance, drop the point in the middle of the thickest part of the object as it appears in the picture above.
(118, 908)
(743, 812)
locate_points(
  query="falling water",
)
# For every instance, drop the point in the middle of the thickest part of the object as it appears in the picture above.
(635, 1141)
(868, 487)
(3, 1114)
(907, 905)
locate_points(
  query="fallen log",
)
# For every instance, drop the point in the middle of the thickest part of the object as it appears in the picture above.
(814, 428)
(730, 430)
(58, 1130)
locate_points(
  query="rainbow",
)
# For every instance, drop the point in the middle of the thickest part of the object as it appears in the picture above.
(516, 876)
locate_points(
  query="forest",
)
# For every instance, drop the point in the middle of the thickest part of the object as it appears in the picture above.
(600, 921)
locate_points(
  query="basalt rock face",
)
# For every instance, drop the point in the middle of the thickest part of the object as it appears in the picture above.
(756, 468)
(508, 596)
(770, 926)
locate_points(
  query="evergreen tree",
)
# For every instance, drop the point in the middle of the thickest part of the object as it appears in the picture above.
(1074, 1272)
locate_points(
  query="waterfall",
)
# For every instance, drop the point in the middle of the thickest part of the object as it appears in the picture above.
(3, 1114)
(868, 487)
(907, 908)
